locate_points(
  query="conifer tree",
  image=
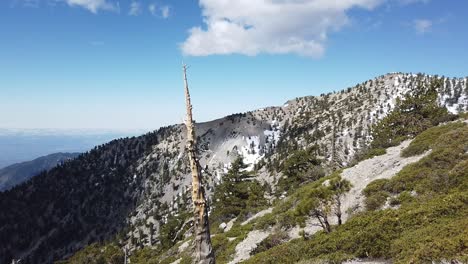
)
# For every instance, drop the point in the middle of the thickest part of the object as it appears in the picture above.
(239, 192)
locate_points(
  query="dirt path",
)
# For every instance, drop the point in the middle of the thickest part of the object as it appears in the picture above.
(366, 171)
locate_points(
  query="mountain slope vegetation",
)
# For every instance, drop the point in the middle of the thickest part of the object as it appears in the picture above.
(424, 223)
(133, 192)
(17, 173)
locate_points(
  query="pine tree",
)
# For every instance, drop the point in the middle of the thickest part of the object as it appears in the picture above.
(339, 188)
(412, 115)
(324, 200)
(238, 193)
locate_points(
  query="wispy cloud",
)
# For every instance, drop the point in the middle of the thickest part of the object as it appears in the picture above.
(422, 26)
(165, 11)
(95, 5)
(135, 9)
(153, 9)
(425, 26)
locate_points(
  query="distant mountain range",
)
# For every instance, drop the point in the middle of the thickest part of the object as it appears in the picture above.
(19, 145)
(21, 172)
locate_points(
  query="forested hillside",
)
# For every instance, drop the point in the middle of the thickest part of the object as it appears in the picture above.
(20, 172)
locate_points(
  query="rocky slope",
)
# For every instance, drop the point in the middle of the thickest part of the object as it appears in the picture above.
(128, 187)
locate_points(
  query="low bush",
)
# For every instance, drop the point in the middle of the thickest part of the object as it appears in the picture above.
(98, 254)
(273, 240)
(376, 194)
(428, 138)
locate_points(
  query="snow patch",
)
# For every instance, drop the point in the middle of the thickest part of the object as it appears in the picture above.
(251, 152)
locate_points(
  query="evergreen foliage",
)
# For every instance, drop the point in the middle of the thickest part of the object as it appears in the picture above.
(416, 112)
(173, 230)
(97, 254)
(275, 239)
(301, 167)
(238, 194)
(323, 200)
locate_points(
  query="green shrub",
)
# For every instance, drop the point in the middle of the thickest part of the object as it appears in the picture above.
(225, 244)
(402, 198)
(97, 254)
(428, 138)
(265, 221)
(376, 201)
(271, 241)
(376, 194)
(444, 241)
(375, 152)
(222, 248)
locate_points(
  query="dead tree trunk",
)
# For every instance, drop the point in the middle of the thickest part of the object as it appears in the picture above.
(203, 252)
(338, 209)
(125, 255)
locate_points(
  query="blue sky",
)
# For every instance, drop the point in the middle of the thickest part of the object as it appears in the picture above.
(108, 64)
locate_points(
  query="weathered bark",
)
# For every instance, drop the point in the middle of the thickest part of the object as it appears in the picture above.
(323, 220)
(125, 255)
(327, 224)
(203, 251)
(338, 208)
(333, 162)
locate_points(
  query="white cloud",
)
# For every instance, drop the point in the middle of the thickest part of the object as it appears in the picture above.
(165, 11)
(94, 5)
(135, 9)
(251, 27)
(422, 26)
(153, 10)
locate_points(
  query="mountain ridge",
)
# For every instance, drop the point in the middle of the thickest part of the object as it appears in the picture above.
(129, 187)
(19, 172)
